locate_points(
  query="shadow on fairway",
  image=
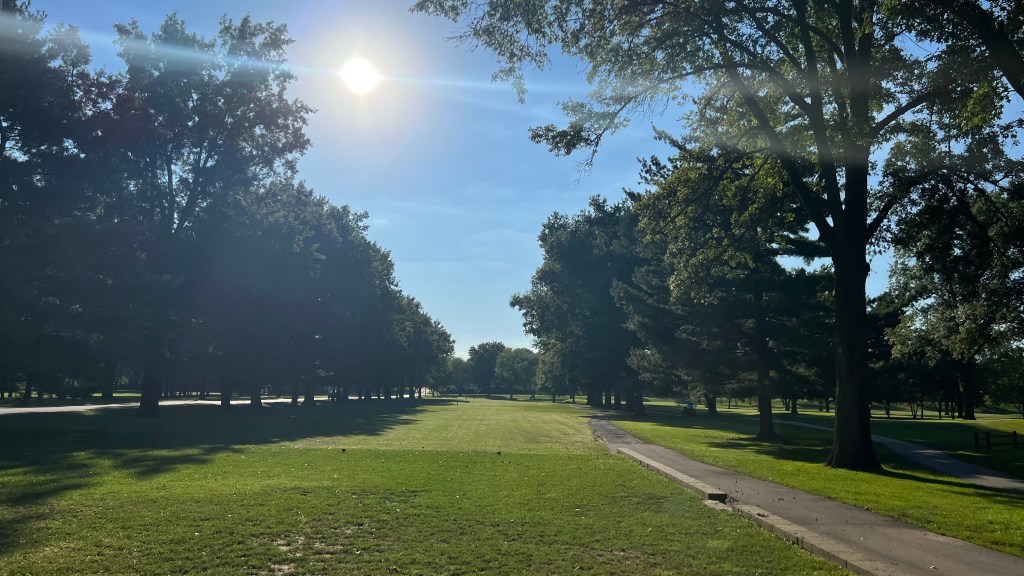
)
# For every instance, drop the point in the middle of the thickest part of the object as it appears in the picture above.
(43, 456)
(805, 445)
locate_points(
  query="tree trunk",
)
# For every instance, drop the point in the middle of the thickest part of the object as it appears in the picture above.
(30, 379)
(226, 390)
(766, 424)
(967, 387)
(712, 403)
(309, 396)
(255, 397)
(108, 375)
(852, 447)
(793, 407)
(152, 383)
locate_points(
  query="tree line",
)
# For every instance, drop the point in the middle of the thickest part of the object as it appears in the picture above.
(867, 113)
(155, 229)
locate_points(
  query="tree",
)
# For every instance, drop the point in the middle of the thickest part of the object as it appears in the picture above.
(456, 378)
(960, 279)
(724, 220)
(516, 372)
(50, 291)
(152, 224)
(553, 371)
(570, 301)
(991, 33)
(192, 135)
(482, 360)
(424, 347)
(1003, 370)
(819, 87)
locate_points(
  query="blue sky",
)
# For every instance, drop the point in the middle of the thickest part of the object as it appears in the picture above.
(437, 155)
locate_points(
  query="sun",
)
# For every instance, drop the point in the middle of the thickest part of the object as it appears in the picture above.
(360, 75)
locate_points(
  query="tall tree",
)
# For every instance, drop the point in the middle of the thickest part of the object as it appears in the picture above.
(570, 302)
(49, 291)
(725, 220)
(482, 360)
(198, 124)
(820, 87)
(963, 291)
(515, 372)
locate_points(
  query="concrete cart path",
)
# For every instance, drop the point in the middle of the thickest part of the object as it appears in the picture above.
(87, 407)
(851, 537)
(937, 460)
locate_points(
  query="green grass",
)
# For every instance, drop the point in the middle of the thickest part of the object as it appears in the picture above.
(906, 491)
(952, 436)
(420, 489)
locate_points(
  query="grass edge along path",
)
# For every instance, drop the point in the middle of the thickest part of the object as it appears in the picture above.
(421, 487)
(906, 491)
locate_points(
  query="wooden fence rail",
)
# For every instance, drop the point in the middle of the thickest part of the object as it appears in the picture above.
(989, 440)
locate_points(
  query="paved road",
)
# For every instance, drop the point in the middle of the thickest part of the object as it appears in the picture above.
(122, 405)
(852, 537)
(937, 460)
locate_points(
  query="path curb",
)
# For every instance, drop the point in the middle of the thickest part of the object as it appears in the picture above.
(701, 489)
(809, 540)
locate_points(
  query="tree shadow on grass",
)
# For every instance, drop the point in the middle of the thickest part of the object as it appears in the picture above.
(44, 456)
(812, 446)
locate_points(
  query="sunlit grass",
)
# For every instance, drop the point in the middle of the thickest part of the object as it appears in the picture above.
(363, 488)
(906, 491)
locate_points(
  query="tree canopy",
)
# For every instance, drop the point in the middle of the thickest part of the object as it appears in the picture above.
(827, 90)
(156, 230)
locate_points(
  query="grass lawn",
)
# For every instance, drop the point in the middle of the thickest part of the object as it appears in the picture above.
(906, 491)
(952, 436)
(422, 487)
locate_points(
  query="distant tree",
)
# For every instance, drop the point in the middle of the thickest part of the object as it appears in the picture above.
(424, 347)
(960, 278)
(570, 303)
(515, 372)
(482, 360)
(457, 378)
(723, 221)
(553, 370)
(1004, 371)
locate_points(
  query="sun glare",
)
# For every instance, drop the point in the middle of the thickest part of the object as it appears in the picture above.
(360, 76)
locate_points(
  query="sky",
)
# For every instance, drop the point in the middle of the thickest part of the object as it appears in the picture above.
(437, 155)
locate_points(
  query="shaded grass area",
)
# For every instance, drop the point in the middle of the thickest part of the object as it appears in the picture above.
(952, 436)
(420, 488)
(919, 496)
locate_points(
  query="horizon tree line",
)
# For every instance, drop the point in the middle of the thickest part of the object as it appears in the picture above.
(155, 229)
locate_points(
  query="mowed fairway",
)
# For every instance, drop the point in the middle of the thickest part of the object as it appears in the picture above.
(420, 488)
